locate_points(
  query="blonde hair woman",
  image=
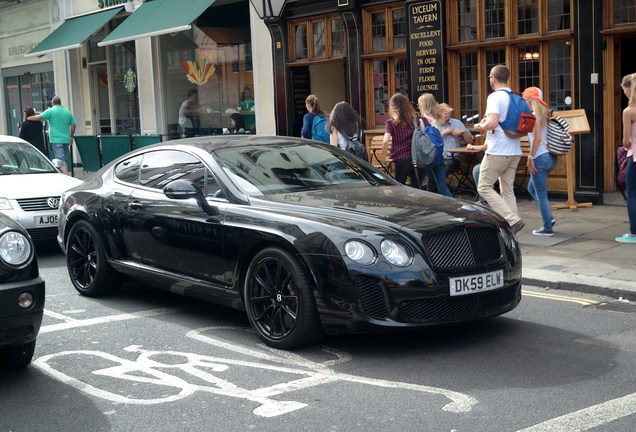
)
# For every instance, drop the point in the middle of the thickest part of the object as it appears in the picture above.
(540, 161)
(629, 141)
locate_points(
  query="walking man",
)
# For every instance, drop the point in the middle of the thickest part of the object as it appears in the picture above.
(502, 154)
(61, 130)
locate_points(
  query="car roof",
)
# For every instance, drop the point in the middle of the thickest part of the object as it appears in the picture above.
(215, 142)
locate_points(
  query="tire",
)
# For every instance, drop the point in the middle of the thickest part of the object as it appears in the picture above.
(279, 300)
(86, 262)
(17, 357)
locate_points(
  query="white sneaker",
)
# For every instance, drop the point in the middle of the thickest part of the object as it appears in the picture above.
(542, 232)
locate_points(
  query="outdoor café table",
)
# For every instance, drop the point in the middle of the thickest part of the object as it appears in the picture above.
(463, 174)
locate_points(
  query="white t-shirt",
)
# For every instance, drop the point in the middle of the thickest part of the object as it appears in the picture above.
(498, 142)
(543, 145)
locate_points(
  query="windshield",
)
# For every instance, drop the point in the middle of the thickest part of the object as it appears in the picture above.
(20, 158)
(296, 167)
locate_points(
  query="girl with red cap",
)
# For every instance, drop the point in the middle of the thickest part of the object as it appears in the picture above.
(540, 161)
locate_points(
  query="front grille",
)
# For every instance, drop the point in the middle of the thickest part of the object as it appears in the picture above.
(47, 233)
(37, 204)
(463, 247)
(371, 297)
(461, 307)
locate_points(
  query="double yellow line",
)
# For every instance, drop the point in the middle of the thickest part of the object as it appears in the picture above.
(581, 301)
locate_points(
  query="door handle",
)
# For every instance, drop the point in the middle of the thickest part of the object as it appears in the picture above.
(135, 206)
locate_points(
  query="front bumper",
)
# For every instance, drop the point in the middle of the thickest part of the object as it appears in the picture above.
(17, 325)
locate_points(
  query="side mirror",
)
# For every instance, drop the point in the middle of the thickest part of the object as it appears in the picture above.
(58, 163)
(181, 189)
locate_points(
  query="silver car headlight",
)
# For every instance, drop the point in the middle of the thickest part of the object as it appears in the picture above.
(396, 253)
(359, 252)
(5, 204)
(15, 248)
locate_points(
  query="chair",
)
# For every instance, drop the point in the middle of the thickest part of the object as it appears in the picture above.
(140, 141)
(114, 146)
(88, 149)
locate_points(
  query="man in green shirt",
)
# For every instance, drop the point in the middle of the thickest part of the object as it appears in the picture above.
(61, 129)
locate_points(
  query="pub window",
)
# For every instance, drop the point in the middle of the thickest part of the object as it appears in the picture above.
(533, 59)
(386, 68)
(558, 15)
(467, 17)
(327, 39)
(528, 19)
(495, 18)
(624, 12)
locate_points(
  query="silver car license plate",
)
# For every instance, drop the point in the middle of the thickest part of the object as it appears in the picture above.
(473, 284)
(45, 220)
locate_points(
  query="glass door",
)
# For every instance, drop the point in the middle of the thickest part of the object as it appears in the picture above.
(101, 99)
(14, 107)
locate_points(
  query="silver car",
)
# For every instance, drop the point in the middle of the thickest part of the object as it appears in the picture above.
(30, 187)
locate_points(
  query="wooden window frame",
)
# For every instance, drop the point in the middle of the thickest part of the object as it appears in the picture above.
(309, 23)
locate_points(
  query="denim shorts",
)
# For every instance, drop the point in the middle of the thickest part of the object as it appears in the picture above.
(60, 151)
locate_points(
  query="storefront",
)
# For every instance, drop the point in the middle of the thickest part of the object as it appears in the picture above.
(126, 67)
(363, 51)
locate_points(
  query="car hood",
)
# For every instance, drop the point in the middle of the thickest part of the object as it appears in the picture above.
(400, 206)
(35, 185)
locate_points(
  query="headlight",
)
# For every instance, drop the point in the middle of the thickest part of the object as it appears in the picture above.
(15, 248)
(360, 252)
(395, 253)
(5, 204)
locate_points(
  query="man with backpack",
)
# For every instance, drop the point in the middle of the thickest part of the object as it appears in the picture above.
(503, 151)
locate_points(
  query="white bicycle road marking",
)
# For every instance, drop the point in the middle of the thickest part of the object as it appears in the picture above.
(148, 369)
(588, 418)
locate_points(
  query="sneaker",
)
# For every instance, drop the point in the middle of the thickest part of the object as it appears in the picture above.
(553, 221)
(542, 232)
(626, 238)
(517, 226)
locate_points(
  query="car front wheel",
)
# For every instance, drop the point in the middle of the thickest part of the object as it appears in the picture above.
(90, 273)
(279, 300)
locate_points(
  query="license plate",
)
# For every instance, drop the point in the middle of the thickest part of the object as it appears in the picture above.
(473, 284)
(46, 220)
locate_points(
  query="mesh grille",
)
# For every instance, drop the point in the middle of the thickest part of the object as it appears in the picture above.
(464, 247)
(47, 233)
(371, 297)
(36, 204)
(462, 307)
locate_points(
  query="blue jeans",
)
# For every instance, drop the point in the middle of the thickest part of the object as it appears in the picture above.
(630, 194)
(439, 174)
(538, 186)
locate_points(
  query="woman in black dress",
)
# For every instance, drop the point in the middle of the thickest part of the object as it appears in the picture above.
(32, 131)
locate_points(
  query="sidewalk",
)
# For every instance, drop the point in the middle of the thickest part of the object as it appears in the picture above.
(582, 255)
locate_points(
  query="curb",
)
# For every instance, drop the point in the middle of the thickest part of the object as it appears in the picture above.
(582, 283)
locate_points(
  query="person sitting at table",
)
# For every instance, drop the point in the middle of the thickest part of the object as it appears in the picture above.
(454, 133)
(247, 101)
(237, 122)
(189, 111)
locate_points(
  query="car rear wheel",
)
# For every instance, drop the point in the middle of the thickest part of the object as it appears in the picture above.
(279, 300)
(17, 357)
(90, 273)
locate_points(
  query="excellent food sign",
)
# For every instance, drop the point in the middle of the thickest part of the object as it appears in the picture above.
(425, 49)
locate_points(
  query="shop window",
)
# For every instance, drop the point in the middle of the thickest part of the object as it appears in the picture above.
(327, 39)
(528, 66)
(559, 75)
(528, 17)
(386, 68)
(217, 63)
(97, 53)
(624, 12)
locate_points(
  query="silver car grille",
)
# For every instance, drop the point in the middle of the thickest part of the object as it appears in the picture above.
(39, 204)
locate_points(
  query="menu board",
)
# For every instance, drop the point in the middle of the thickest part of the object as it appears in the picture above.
(425, 49)
(300, 90)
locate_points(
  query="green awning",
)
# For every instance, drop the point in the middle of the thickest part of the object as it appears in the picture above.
(157, 17)
(73, 32)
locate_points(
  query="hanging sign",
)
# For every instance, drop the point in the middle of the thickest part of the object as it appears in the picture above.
(130, 80)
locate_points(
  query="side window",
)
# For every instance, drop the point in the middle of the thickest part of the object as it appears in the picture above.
(159, 168)
(128, 170)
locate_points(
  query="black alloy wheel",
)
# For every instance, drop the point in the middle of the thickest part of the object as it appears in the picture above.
(279, 300)
(86, 262)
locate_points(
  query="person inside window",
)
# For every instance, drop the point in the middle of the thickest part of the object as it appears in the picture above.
(247, 100)
(189, 119)
(237, 122)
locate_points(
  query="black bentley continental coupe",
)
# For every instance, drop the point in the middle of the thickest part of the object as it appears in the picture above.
(304, 237)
